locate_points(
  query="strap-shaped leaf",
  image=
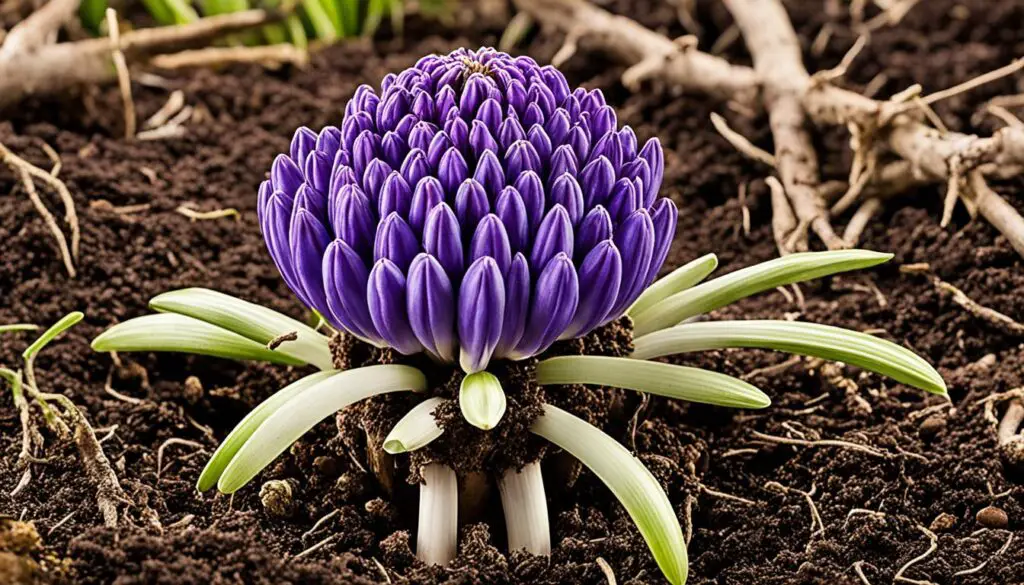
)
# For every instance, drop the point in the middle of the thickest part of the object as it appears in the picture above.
(734, 286)
(823, 341)
(680, 279)
(241, 433)
(416, 429)
(249, 320)
(634, 486)
(178, 333)
(65, 323)
(680, 382)
(296, 417)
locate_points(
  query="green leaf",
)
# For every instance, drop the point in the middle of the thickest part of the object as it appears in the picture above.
(634, 486)
(677, 281)
(15, 327)
(92, 13)
(823, 341)
(241, 433)
(66, 322)
(249, 320)
(160, 12)
(482, 400)
(374, 14)
(416, 429)
(296, 31)
(732, 287)
(680, 382)
(181, 11)
(349, 12)
(183, 334)
(320, 20)
(296, 417)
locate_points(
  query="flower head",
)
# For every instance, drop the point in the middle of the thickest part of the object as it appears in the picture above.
(475, 208)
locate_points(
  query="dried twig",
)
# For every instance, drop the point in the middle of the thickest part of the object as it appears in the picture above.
(271, 56)
(998, 320)
(37, 30)
(57, 68)
(124, 82)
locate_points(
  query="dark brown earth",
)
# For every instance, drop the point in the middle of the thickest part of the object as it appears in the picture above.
(936, 470)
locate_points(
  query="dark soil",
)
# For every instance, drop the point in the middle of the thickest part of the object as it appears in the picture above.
(936, 470)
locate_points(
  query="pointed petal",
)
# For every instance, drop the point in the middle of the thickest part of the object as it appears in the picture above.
(481, 308)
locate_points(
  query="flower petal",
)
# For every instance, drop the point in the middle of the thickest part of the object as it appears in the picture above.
(555, 236)
(431, 306)
(600, 275)
(517, 305)
(387, 303)
(442, 239)
(345, 280)
(481, 311)
(555, 299)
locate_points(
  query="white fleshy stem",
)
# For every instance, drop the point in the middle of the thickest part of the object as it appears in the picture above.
(526, 510)
(437, 534)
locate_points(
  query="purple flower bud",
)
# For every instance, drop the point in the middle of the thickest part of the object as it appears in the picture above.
(512, 212)
(600, 275)
(318, 170)
(442, 239)
(481, 312)
(490, 114)
(563, 161)
(555, 236)
(603, 121)
(364, 151)
(516, 96)
(517, 306)
(414, 168)
(609, 147)
(395, 241)
(427, 195)
(345, 279)
(579, 140)
(540, 141)
(458, 130)
(352, 219)
(554, 303)
(565, 191)
(386, 294)
(592, 102)
(664, 216)
(439, 146)
(490, 174)
(555, 81)
(623, 200)
(303, 142)
(635, 240)
(481, 141)
(532, 191)
(655, 158)
(308, 240)
(595, 227)
(395, 196)
(285, 175)
(452, 170)
(597, 179)
(542, 96)
(627, 140)
(471, 203)
(509, 132)
(533, 116)
(491, 239)
(557, 127)
(473, 94)
(520, 158)
(421, 135)
(431, 306)
(373, 178)
(393, 149)
(423, 106)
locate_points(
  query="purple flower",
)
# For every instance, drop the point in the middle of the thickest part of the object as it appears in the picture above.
(475, 208)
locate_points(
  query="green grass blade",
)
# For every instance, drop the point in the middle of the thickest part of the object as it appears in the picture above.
(823, 341)
(680, 279)
(182, 11)
(481, 400)
(182, 334)
(333, 12)
(634, 486)
(92, 14)
(416, 429)
(323, 28)
(160, 12)
(66, 322)
(15, 327)
(732, 287)
(680, 382)
(374, 15)
(241, 433)
(348, 10)
(296, 32)
(297, 417)
(249, 320)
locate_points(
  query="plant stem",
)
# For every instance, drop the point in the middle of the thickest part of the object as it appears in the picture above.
(526, 510)
(437, 535)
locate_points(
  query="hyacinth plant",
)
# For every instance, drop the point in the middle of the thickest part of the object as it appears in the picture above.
(477, 209)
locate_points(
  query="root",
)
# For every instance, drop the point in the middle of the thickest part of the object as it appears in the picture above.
(1011, 421)
(37, 30)
(817, 526)
(740, 142)
(609, 574)
(26, 171)
(123, 79)
(821, 443)
(194, 215)
(933, 543)
(975, 569)
(994, 318)
(58, 68)
(168, 443)
(270, 56)
(859, 222)
(775, 49)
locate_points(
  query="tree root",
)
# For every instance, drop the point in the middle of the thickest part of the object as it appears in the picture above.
(37, 30)
(57, 68)
(271, 56)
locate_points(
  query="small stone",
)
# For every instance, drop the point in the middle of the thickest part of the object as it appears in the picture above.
(1012, 453)
(326, 465)
(942, 522)
(992, 517)
(932, 426)
(193, 390)
(277, 496)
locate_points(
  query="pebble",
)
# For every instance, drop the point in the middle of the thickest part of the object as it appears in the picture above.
(931, 426)
(992, 517)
